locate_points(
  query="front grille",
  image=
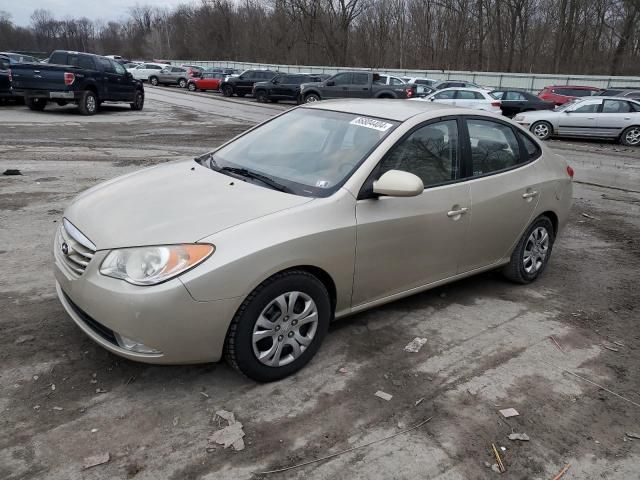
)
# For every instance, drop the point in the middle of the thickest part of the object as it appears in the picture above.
(71, 252)
(104, 332)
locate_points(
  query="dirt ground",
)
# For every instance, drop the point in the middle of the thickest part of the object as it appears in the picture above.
(491, 344)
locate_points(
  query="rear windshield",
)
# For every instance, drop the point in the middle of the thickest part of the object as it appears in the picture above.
(574, 92)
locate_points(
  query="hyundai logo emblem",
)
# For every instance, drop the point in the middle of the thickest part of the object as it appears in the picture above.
(65, 248)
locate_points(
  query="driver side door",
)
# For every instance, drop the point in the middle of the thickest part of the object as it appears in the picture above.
(404, 243)
(339, 88)
(580, 120)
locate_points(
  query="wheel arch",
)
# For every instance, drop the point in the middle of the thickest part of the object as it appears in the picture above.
(551, 215)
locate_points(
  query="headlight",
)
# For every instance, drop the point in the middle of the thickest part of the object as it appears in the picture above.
(518, 118)
(155, 264)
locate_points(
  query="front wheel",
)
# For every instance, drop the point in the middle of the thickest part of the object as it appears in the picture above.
(36, 104)
(88, 104)
(542, 130)
(310, 98)
(138, 101)
(227, 91)
(279, 327)
(154, 81)
(531, 255)
(631, 136)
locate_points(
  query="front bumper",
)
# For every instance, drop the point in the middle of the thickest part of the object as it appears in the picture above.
(163, 317)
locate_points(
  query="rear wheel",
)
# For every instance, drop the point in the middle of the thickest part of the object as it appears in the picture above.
(153, 81)
(261, 96)
(182, 83)
(531, 255)
(279, 327)
(36, 104)
(542, 130)
(88, 104)
(631, 136)
(192, 87)
(227, 91)
(138, 101)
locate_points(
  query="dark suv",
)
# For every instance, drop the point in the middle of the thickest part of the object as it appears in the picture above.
(243, 84)
(283, 87)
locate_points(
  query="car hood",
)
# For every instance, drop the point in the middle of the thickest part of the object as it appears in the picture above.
(172, 203)
(538, 114)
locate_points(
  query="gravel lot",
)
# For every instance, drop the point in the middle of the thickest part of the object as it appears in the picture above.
(62, 398)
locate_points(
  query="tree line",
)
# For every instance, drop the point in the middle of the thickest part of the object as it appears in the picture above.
(537, 36)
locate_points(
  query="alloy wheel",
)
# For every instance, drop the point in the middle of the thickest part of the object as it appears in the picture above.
(536, 250)
(91, 103)
(284, 329)
(633, 136)
(541, 130)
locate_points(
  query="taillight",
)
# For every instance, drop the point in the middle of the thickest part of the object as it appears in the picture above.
(409, 92)
(10, 76)
(570, 171)
(69, 78)
(495, 104)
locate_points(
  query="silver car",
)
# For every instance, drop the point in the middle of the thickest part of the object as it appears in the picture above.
(589, 117)
(170, 76)
(251, 250)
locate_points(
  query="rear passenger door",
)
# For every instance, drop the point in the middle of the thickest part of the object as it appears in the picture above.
(616, 115)
(505, 181)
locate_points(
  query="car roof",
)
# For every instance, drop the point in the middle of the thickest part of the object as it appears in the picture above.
(579, 87)
(470, 89)
(391, 109)
(609, 97)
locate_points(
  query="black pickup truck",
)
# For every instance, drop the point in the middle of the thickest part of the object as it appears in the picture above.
(354, 85)
(72, 77)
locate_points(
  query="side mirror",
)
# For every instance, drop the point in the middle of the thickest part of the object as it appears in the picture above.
(330, 83)
(397, 183)
(241, 77)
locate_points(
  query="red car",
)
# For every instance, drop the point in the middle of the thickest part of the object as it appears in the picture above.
(193, 70)
(560, 94)
(207, 81)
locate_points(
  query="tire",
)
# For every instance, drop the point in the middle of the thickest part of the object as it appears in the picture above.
(182, 83)
(192, 87)
(261, 96)
(541, 129)
(35, 104)
(138, 101)
(631, 136)
(525, 268)
(227, 90)
(241, 352)
(88, 103)
(311, 97)
(153, 81)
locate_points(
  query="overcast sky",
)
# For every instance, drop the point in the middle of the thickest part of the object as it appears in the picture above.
(21, 10)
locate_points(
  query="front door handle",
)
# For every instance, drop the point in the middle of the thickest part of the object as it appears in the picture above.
(531, 194)
(457, 213)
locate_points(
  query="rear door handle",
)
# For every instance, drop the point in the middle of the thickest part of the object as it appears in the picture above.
(456, 213)
(532, 194)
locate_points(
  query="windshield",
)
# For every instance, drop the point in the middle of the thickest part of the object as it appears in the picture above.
(308, 152)
(570, 103)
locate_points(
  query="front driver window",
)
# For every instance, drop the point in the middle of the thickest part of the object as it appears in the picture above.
(445, 95)
(589, 108)
(342, 79)
(431, 153)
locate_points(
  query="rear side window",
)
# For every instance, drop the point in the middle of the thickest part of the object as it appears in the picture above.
(514, 96)
(616, 106)
(469, 95)
(494, 146)
(82, 61)
(153, 67)
(533, 151)
(430, 152)
(396, 81)
(360, 79)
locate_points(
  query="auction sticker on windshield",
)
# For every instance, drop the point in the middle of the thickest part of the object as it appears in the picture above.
(371, 123)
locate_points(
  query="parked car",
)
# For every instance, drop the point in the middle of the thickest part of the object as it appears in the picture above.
(254, 253)
(455, 84)
(5, 77)
(475, 98)
(561, 94)
(19, 58)
(130, 65)
(353, 85)
(282, 87)
(170, 76)
(225, 71)
(514, 101)
(207, 81)
(627, 92)
(600, 117)
(243, 84)
(144, 70)
(389, 80)
(73, 77)
(193, 70)
(423, 85)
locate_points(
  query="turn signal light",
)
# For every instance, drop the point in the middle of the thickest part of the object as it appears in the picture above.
(570, 171)
(495, 104)
(69, 78)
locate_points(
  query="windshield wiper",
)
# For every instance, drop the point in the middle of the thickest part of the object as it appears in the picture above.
(208, 159)
(243, 172)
